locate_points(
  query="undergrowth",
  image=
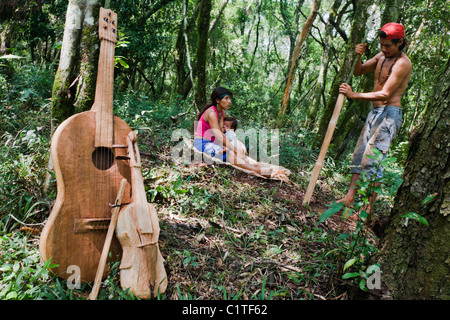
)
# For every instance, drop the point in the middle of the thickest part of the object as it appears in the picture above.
(224, 234)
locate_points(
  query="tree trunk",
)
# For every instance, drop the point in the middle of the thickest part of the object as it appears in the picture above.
(89, 51)
(291, 30)
(324, 62)
(75, 80)
(290, 80)
(414, 259)
(392, 11)
(74, 85)
(180, 59)
(258, 12)
(202, 50)
(5, 38)
(356, 36)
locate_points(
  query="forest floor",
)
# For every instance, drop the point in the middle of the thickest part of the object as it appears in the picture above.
(229, 235)
(224, 234)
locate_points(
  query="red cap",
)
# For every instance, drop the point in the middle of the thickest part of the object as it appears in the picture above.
(393, 31)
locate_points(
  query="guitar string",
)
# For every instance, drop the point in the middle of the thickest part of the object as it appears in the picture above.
(105, 60)
(100, 117)
(107, 151)
(112, 188)
(106, 185)
(105, 121)
(105, 132)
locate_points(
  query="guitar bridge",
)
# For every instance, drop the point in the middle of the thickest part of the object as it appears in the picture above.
(91, 225)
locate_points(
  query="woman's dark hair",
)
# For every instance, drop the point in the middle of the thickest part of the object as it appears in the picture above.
(218, 93)
(395, 41)
(233, 122)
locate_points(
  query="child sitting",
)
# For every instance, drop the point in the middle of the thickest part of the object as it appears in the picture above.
(229, 126)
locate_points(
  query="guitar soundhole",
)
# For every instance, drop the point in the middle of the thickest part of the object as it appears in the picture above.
(103, 158)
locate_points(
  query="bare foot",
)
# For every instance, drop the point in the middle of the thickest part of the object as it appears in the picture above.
(347, 200)
(200, 164)
(280, 175)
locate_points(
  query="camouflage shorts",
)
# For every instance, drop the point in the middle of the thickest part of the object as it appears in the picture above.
(381, 127)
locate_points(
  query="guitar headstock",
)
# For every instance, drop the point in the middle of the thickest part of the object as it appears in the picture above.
(107, 25)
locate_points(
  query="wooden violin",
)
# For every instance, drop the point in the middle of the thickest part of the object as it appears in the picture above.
(89, 154)
(142, 266)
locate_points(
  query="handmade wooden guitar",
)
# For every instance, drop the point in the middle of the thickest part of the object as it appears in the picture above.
(89, 153)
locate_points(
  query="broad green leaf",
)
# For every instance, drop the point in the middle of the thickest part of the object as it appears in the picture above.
(57, 45)
(429, 198)
(363, 215)
(123, 63)
(377, 153)
(350, 275)
(387, 160)
(349, 263)
(378, 190)
(362, 284)
(371, 157)
(336, 207)
(417, 217)
(177, 184)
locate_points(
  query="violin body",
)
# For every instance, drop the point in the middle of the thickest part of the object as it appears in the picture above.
(76, 228)
(142, 265)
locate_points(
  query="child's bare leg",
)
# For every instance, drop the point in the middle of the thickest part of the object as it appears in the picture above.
(242, 162)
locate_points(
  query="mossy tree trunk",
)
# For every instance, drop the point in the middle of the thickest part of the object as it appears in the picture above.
(75, 80)
(356, 36)
(414, 258)
(74, 85)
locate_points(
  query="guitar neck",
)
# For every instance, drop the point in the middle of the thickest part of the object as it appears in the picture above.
(103, 103)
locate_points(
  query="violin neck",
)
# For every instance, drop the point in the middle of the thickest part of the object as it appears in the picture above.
(103, 103)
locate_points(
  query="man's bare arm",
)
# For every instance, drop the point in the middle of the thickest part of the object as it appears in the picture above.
(368, 66)
(399, 72)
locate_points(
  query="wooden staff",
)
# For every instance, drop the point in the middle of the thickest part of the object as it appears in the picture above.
(327, 140)
(112, 225)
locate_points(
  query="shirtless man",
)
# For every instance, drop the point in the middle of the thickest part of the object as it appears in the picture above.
(392, 72)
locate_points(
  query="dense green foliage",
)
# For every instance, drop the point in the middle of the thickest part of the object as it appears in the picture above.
(211, 217)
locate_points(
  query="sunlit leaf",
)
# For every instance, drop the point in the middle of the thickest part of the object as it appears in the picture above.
(350, 275)
(336, 207)
(417, 217)
(429, 198)
(349, 263)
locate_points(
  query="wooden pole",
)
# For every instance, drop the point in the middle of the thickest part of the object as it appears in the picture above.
(327, 140)
(112, 225)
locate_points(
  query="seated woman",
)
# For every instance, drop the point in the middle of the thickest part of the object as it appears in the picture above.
(210, 139)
